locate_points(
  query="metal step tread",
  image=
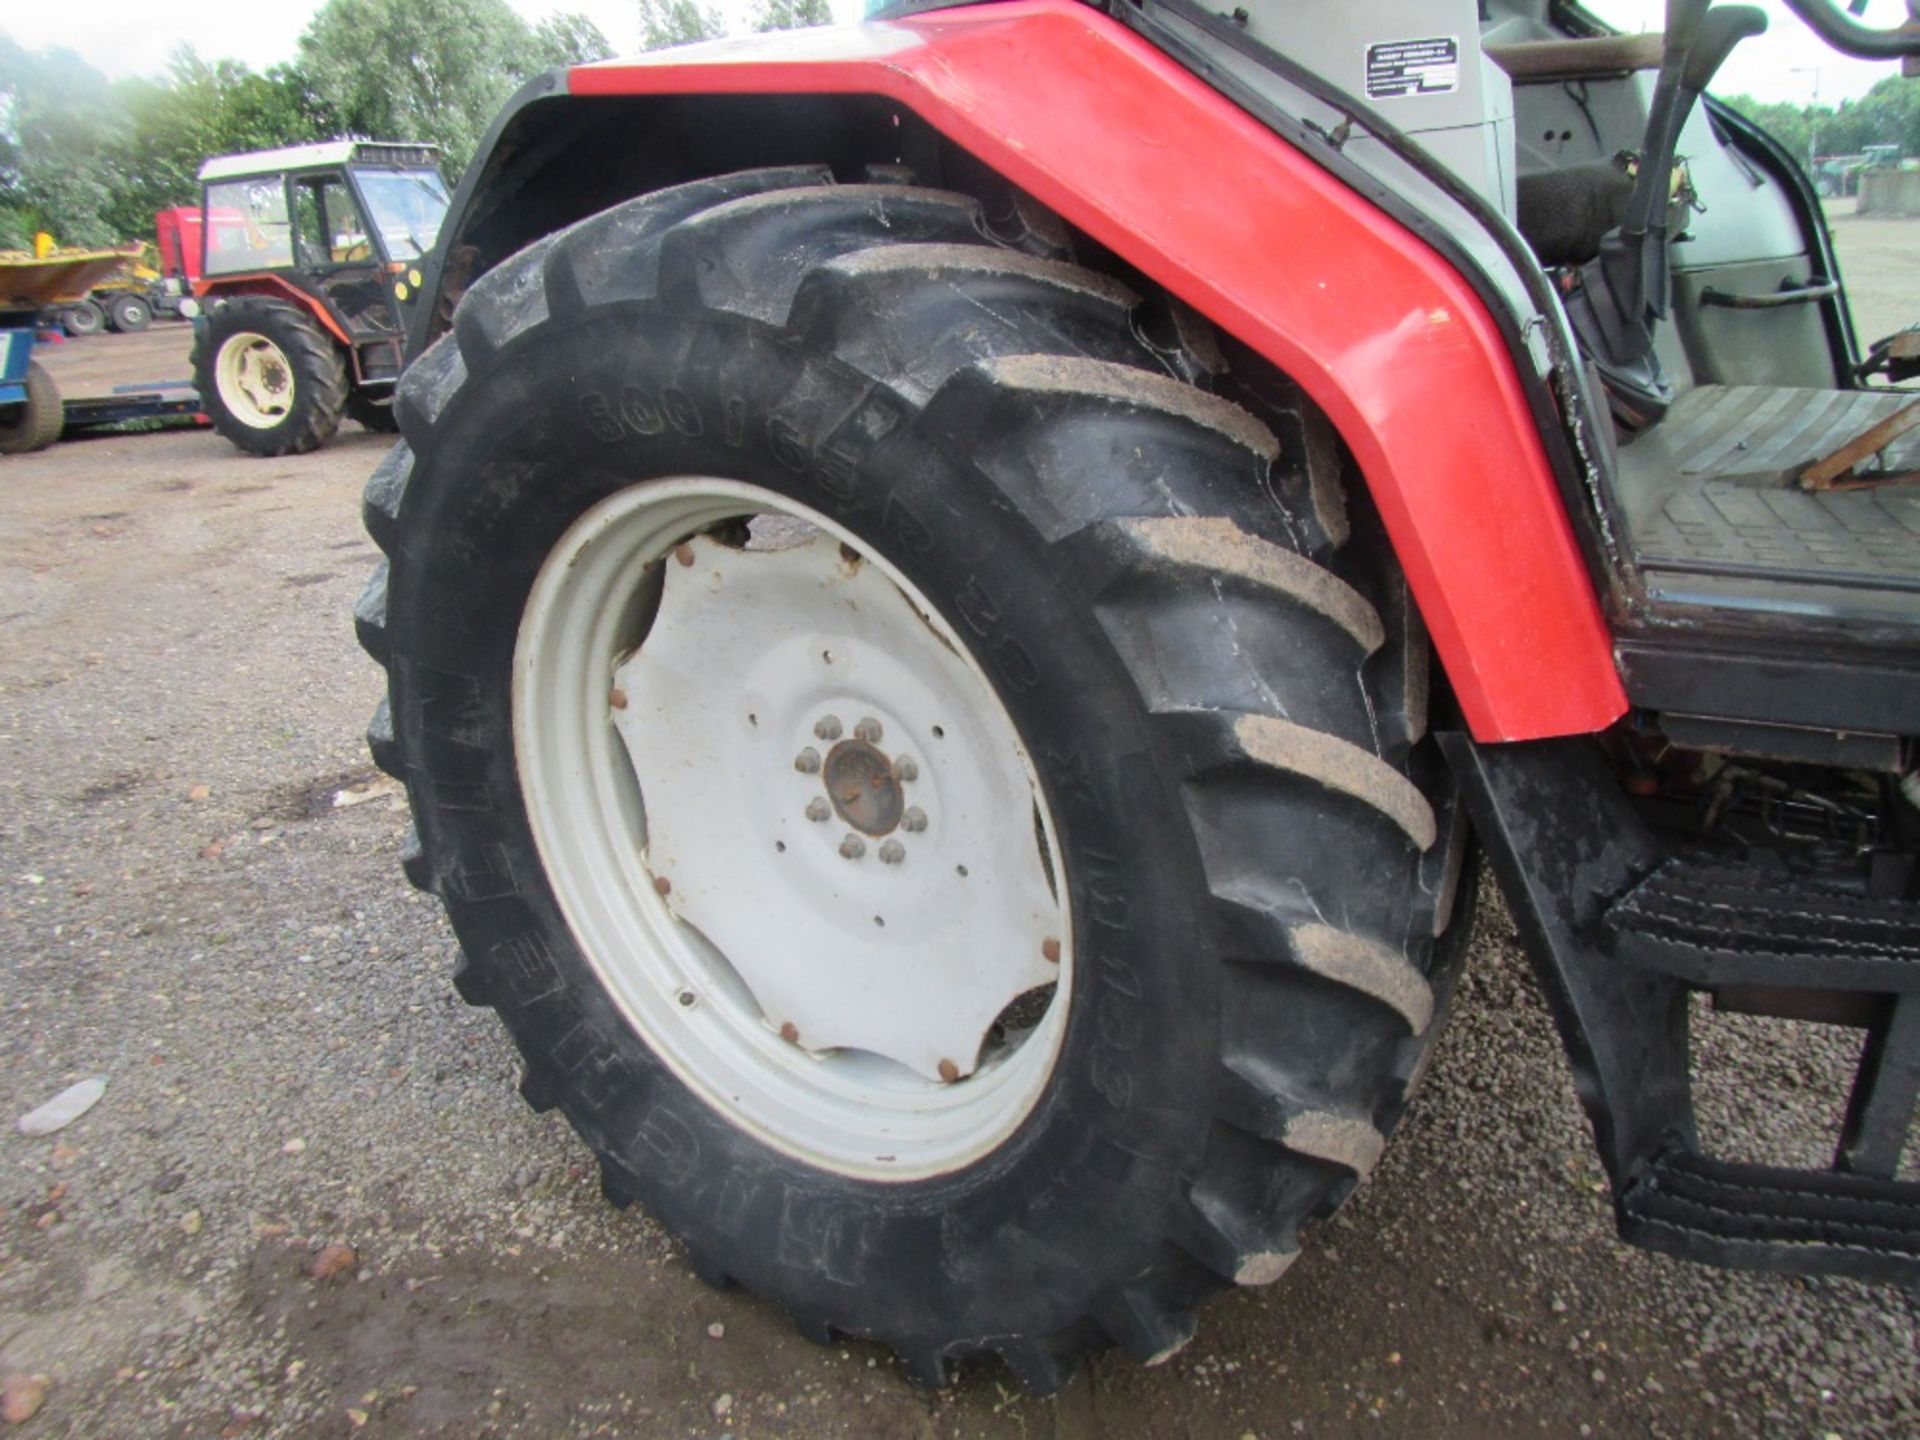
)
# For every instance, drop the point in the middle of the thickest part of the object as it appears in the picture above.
(1804, 1220)
(1731, 455)
(1713, 922)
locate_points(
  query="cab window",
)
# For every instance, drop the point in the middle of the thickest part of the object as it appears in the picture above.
(247, 226)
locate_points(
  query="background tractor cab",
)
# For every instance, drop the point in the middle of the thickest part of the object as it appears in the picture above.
(310, 263)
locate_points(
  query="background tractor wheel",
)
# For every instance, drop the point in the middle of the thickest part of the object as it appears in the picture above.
(919, 756)
(83, 317)
(129, 314)
(373, 413)
(38, 423)
(271, 380)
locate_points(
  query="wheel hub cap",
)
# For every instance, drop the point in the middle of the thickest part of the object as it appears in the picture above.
(792, 829)
(862, 785)
(908, 948)
(255, 380)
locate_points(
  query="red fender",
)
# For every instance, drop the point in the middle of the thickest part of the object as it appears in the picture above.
(1383, 333)
(274, 287)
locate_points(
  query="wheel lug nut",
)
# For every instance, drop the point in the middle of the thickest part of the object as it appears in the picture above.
(949, 1071)
(818, 810)
(1050, 950)
(868, 730)
(892, 853)
(906, 769)
(915, 820)
(807, 761)
(853, 847)
(827, 727)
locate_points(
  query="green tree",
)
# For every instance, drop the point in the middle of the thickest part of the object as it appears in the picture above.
(568, 39)
(1888, 114)
(200, 110)
(435, 70)
(791, 14)
(664, 23)
(58, 113)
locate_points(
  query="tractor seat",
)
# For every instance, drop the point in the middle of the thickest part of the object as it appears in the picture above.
(1527, 61)
(1564, 213)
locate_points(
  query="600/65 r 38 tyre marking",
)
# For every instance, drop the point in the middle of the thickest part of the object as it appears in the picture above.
(1219, 701)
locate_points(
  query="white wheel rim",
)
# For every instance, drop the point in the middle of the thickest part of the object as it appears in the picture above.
(761, 971)
(255, 380)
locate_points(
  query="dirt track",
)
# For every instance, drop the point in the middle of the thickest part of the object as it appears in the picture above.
(185, 909)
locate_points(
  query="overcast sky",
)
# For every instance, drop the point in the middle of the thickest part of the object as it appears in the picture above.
(134, 37)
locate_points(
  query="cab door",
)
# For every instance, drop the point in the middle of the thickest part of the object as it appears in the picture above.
(337, 252)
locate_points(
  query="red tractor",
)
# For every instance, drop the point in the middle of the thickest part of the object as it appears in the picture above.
(962, 593)
(310, 263)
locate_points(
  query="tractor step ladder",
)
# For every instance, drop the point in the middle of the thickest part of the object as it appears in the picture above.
(1622, 928)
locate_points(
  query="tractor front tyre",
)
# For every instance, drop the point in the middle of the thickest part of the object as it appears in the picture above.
(930, 790)
(271, 380)
(129, 314)
(36, 423)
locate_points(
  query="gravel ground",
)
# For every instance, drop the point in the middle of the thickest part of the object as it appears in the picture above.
(186, 909)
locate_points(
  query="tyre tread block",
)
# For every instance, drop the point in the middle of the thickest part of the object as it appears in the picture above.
(917, 313)
(386, 491)
(1042, 1366)
(1224, 741)
(429, 383)
(1218, 548)
(381, 743)
(1142, 1324)
(414, 862)
(507, 301)
(1079, 443)
(1257, 934)
(1245, 1248)
(370, 614)
(749, 256)
(614, 257)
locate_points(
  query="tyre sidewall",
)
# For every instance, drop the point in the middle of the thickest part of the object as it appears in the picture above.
(36, 422)
(1021, 1238)
(129, 314)
(84, 318)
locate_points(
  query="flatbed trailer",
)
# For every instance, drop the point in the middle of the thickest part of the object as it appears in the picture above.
(33, 414)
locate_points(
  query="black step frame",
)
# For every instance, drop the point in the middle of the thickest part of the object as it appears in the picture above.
(1567, 845)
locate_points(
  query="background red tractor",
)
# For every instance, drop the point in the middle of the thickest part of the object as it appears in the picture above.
(312, 259)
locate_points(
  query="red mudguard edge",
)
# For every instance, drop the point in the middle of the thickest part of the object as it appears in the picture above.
(1385, 336)
(274, 287)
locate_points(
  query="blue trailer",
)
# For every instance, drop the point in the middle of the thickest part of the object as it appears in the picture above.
(32, 412)
(31, 415)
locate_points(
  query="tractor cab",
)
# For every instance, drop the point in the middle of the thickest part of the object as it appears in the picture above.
(334, 235)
